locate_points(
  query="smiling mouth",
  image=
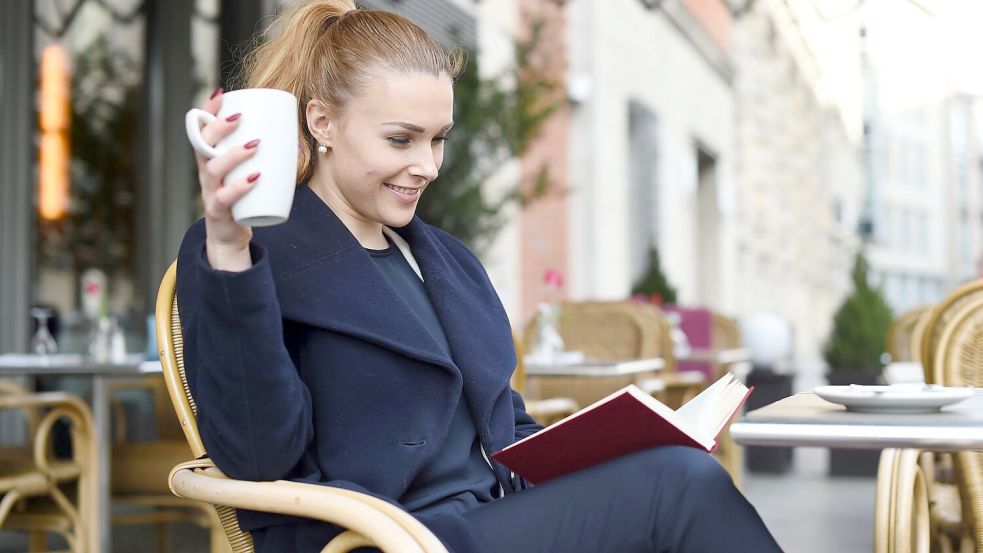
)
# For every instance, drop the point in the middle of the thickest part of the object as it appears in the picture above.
(401, 190)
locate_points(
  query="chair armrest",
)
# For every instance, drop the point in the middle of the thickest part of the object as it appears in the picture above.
(389, 527)
(63, 405)
(44, 399)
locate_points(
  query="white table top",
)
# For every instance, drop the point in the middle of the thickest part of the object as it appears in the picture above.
(807, 420)
(21, 364)
(597, 369)
(723, 356)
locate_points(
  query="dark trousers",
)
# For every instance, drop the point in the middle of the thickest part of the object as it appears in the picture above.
(665, 500)
(662, 500)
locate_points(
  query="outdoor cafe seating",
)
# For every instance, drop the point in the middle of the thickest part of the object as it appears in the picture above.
(948, 340)
(624, 330)
(39, 493)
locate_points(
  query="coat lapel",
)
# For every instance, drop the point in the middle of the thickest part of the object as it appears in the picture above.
(325, 278)
(471, 315)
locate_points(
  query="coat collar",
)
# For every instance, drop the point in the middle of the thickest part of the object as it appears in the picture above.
(324, 277)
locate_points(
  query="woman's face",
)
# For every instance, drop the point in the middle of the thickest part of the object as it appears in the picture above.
(384, 149)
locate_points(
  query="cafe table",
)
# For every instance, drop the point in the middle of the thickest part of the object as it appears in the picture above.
(587, 381)
(807, 420)
(99, 374)
(731, 356)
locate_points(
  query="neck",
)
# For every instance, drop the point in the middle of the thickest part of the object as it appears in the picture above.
(367, 232)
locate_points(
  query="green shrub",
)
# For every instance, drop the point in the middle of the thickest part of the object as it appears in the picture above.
(654, 282)
(859, 326)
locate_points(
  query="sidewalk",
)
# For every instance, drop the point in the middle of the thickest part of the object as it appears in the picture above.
(810, 512)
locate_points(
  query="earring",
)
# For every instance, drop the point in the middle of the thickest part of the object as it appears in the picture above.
(322, 149)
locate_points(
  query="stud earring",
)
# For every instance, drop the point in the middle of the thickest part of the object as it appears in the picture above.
(322, 149)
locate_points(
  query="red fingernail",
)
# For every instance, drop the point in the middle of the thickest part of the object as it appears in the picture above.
(218, 91)
(232, 118)
(252, 178)
(251, 144)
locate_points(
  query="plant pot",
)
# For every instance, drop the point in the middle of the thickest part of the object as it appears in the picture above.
(853, 462)
(769, 387)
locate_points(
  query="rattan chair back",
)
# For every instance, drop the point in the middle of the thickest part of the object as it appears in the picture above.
(604, 330)
(518, 380)
(898, 340)
(724, 332)
(959, 362)
(936, 322)
(171, 343)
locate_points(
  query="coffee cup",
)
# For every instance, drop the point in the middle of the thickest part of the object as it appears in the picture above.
(269, 115)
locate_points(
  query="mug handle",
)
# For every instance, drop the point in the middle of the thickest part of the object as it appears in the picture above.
(193, 121)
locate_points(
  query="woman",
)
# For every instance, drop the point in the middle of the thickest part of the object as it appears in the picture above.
(356, 346)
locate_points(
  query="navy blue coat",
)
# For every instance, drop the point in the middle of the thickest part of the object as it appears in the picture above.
(351, 396)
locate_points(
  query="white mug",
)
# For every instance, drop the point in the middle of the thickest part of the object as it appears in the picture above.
(271, 116)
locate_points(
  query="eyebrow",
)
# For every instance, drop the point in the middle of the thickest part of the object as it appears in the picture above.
(416, 128)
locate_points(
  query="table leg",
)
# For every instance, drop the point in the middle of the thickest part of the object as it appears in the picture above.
(101, 538)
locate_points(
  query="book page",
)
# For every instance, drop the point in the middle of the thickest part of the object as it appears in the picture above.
(687, 425)
(700, 410)
(729, 402)
(710, 411)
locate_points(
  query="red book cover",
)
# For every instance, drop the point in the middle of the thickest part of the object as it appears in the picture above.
(617, 425)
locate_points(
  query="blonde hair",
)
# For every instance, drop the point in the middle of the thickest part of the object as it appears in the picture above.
(326, 49)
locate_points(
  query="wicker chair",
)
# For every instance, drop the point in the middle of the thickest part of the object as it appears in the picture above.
(371, 521)
(959, 362)
(901, 513)
(725, 334)
(936, 322)
(609, 331)
(38, 493)
(898, 341)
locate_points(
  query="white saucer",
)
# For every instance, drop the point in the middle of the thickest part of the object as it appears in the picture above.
(903, 398)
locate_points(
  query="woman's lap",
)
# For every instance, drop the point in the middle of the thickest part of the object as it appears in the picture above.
(671, 499)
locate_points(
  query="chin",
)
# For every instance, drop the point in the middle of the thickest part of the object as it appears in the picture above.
(398, 220)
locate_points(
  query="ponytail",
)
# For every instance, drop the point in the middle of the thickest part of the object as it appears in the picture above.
(325, 49)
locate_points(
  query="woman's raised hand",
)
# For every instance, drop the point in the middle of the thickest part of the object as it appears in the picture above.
(226, 242)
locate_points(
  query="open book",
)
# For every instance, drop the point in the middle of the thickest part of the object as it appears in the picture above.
(624, 422)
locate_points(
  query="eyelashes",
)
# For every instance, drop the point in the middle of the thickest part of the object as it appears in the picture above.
(405, 140)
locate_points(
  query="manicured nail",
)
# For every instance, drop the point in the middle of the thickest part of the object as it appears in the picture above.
(218, 91)
(251, 144)
(300, 147)
(233, 117)
(252, 178)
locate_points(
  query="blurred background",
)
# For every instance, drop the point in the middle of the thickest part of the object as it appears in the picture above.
(757, 158)
(756, 145)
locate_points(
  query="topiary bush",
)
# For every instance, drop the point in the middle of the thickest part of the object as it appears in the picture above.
(859, 326)
(653, 284)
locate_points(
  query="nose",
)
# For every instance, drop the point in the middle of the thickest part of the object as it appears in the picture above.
(425, 164)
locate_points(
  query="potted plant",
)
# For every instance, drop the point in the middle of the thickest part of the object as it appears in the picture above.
(653, 286)
(853, 356)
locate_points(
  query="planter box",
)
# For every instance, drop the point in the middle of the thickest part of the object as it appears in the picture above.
(769, 387)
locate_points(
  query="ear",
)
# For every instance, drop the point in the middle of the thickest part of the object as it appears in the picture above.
(321, 120)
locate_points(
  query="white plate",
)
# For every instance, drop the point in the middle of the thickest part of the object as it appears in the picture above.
(893, 399)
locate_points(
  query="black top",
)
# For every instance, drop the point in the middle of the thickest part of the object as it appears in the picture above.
(459, 478)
